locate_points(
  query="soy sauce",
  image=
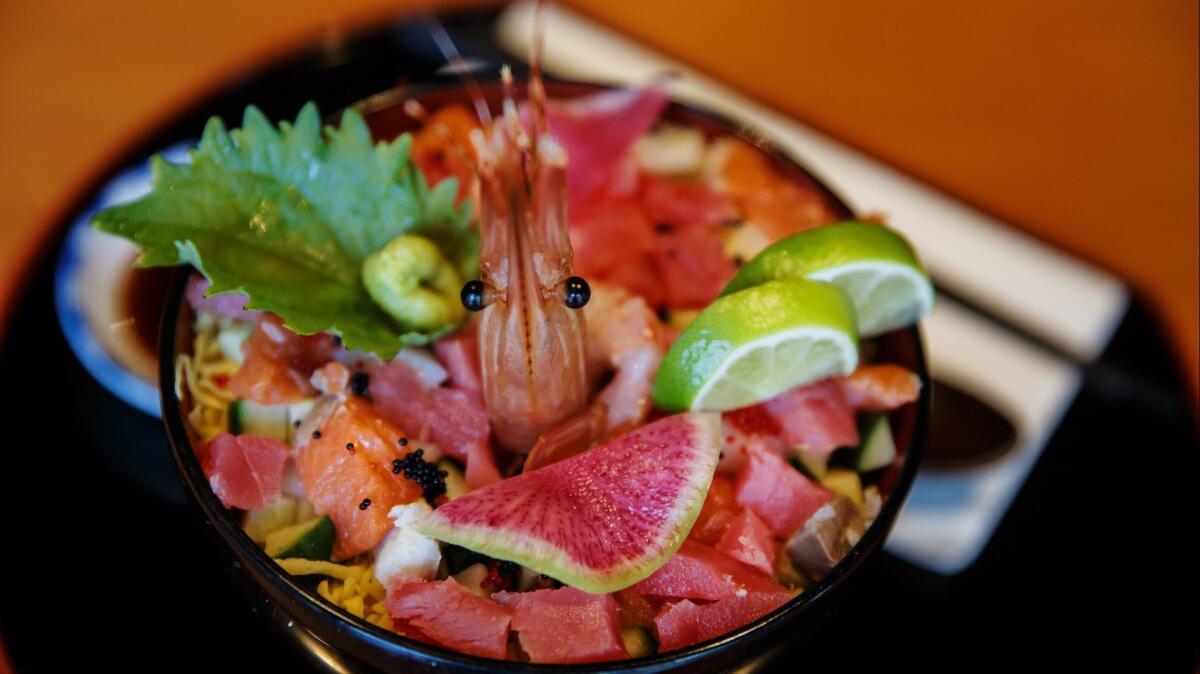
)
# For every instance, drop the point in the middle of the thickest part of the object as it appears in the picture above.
(142, 300)
(964, 432)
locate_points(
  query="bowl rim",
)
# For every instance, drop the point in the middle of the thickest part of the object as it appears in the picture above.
(220, 519)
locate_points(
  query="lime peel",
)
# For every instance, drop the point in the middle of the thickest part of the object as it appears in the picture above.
(874, 264)
(756, 343)
(844, 343)
(898, 311)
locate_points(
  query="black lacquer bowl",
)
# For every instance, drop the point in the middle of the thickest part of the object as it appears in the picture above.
(341, 642)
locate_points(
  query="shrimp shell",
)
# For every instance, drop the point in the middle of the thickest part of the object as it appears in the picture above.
(532, 349)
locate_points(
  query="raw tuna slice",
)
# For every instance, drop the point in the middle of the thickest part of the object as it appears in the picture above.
(601, 520)
(245, 471)
(452, 419)
(609, 234)
(347, 463)
(692, 265)
(743, 429)
(685, 623)
(717, 513)
(277, 363)
(566, 625)
(729, 614)
(639, 275)
(700, 572)
(749, 540)
(636, 609)
(815, 419)
(677, 626)
(880, 388)
(481, 466)
(459, 354)
(445, 613)
(778, 493)
(755, 420)
(623, 183)
(683, 203)
(597, 130)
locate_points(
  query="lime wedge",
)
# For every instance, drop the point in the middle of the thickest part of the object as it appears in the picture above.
(754, 344)
(874, 264)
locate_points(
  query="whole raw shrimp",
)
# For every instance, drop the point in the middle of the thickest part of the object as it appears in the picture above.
(624, 340)
(531, 344)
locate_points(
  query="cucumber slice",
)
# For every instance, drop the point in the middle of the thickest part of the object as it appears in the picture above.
(258, 524)
(230, 340)
(309, 540)
(877, 449)
(249, 418)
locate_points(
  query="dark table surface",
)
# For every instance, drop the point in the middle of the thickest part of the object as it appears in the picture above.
(104, 568)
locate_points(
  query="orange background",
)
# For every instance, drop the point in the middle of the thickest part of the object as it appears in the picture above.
(1076, 120)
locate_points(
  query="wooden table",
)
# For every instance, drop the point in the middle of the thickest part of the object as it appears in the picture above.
(1077, 120)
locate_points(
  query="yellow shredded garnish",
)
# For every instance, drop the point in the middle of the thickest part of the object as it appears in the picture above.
(200, 372)
(298, 566)
(352, 587)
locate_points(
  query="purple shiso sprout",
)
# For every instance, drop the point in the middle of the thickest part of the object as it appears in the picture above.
(232, 305)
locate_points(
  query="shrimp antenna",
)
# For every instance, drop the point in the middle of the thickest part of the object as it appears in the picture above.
(450, 52)
(537, 90)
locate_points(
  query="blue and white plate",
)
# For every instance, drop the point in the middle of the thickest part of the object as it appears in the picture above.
(88, 283)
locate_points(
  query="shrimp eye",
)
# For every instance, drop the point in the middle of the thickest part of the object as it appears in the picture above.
(577, 293)
(472, 296)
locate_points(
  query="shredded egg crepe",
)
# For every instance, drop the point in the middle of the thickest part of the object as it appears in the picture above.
(204, 373)
(351, 587)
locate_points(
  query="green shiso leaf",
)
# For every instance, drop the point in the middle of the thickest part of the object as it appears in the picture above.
(287, 215)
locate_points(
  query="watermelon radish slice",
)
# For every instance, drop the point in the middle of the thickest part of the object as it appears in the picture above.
(601, 520)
